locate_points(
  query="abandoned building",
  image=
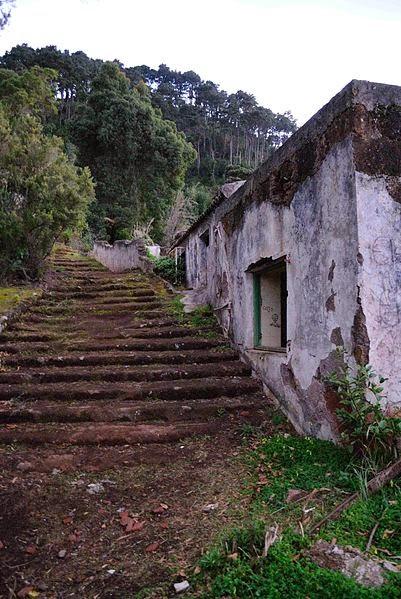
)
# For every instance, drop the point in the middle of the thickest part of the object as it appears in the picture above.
(304, 258)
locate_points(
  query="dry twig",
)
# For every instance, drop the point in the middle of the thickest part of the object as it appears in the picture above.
(376, 483)
(271, 536)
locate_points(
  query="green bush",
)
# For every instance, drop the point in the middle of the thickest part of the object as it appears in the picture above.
(371, 433)
(166, 268)
(41, 191)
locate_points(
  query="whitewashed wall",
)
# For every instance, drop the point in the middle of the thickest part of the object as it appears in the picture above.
(122, 255)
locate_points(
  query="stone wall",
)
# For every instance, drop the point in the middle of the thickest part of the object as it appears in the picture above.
(122, 255)
(328, 202)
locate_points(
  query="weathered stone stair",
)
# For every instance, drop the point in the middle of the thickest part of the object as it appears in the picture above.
(102, 359)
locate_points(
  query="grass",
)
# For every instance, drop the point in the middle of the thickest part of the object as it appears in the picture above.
(234, 567)
(10, 297)
(202, 317)
(357, 523)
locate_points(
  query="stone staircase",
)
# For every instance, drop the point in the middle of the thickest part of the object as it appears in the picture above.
(102, 359)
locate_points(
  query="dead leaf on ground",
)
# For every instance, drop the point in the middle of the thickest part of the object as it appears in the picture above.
(160, 509)
(152, 547)
(124, 518)
(134, 525)
(27, 592)
(294, 495)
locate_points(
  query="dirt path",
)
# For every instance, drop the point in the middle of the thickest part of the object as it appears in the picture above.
(119, 425)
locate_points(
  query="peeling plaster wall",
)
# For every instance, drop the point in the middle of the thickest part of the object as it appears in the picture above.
(322, 269)
(379, 220)
(329, 200)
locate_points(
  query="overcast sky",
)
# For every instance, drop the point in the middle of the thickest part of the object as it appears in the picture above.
(291, 54)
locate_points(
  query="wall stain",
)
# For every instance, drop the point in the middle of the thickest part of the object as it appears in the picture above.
(330, 302)
(336, 337)
(331, 271)
(360, 337)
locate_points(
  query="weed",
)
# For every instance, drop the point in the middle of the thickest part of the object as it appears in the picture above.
(12, 296)
(167, 268)
(285, 572)
(278, 418)
(203, 316)
(247, 431)
(370, 432)
(176, 308)
(302, 463)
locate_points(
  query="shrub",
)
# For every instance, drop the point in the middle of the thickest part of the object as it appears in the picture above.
(41, 191)
(365, 426)
(166, 268)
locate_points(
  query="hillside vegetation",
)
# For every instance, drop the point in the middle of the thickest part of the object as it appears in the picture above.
(148, 136)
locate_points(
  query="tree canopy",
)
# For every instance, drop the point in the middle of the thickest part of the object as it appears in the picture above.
(138, 159)
(225, 129)
(144, 133)
(41, 191)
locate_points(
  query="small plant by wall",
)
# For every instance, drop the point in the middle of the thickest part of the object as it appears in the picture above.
(167, 268)
(365, 426)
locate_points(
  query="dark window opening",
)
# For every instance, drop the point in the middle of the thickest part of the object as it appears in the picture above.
(205, 237)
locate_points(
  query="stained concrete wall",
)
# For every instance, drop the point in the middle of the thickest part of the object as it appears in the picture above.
(122, 255)
(379, 227)
(313, 237)
(329, 202)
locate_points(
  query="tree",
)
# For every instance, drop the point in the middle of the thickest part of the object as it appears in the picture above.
(182, 213)
(134, 178)
(139, 159)
(41, 191)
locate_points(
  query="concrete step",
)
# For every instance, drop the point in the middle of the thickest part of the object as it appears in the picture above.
(119, 291)
(165, 332)
(200, 356)
(153, 345)
(126, 300)
(25, 337)
(69, 266)
(170, 344)
(103, 433)
(184, 389)
(145, 310)
(129, 304)
(129, 327)
(119, 373)
(101, 361)
(247, 406)
(65, 261)
(67, 322)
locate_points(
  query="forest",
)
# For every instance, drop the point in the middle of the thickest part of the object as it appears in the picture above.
(152, 144)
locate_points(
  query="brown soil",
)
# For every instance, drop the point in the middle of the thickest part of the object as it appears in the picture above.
(118, 425)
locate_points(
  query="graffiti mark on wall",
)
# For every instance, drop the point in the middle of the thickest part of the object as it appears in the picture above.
(386, 254)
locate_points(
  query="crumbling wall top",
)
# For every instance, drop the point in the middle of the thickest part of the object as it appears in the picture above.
(279, 176)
